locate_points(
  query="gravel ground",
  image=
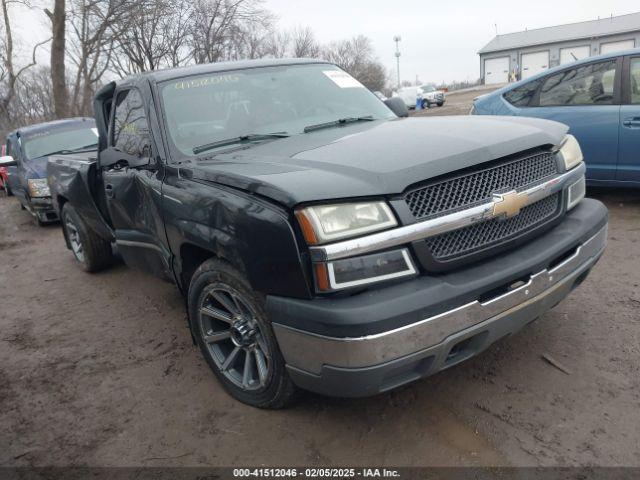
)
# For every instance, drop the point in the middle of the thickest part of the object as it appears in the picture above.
(100, 370)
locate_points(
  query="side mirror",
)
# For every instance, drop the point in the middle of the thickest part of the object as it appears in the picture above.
(397, 106)
(7, 161)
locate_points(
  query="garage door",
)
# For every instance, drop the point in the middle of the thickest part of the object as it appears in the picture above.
(572, 54)
(617, 46)
(496, 70)
(533, 63)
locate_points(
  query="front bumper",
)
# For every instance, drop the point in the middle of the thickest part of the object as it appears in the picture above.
(325, 353)
(42, 208)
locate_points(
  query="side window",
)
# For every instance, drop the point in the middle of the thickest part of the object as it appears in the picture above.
(130, 127)
(586, 85)
(635, 80)
(522, 96)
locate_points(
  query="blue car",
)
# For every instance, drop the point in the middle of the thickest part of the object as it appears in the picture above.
(598, 98)
(27, 150)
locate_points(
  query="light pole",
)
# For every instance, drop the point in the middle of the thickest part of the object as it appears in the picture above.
(397, 39)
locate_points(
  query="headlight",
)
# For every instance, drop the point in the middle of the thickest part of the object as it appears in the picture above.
(38, 187)
(327, 223)
(570, 152)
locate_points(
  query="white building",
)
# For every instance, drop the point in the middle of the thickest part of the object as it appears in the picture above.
(523, 54)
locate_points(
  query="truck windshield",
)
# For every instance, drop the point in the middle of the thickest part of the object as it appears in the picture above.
(41, 144)
(205, 109)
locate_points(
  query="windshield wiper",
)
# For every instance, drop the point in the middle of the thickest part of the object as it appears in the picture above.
(335, 123)
(65, 151)
(250, 137)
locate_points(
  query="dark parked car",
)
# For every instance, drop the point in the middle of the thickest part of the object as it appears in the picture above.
(26, 153)
(318, 245)
(598, 98)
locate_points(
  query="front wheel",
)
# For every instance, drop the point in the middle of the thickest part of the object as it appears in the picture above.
(440, 104)
(230, 325)
(91, 251)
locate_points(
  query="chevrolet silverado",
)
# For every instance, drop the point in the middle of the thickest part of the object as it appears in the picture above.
(317, 244)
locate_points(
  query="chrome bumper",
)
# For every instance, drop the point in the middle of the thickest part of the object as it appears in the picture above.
(310, 352)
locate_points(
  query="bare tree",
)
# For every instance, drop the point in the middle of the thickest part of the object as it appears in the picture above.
(92, 36)
(278, 44)
(151, 35)
(356, 56)
(10, 74)
(33, 102)
(221, 29)
(304, 44)
(58, 77)
(256, 40)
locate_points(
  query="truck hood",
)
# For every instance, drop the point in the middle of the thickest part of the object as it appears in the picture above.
(371, 159)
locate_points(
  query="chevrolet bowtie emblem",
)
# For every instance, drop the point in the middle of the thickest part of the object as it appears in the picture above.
(509, 204)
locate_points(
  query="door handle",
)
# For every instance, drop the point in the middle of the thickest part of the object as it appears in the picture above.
(108, 188)
(633, 122)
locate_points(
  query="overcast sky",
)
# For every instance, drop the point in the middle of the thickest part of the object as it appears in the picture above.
(440, 40)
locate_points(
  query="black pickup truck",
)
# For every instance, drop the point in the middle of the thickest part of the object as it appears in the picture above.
(321, 240)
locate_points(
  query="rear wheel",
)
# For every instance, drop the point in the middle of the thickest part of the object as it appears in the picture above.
(91, 251)
(232, 330)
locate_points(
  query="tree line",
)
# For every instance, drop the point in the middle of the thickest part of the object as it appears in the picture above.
(94, 41)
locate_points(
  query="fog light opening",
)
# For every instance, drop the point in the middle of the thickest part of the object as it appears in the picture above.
(356, 271)
(576, 193)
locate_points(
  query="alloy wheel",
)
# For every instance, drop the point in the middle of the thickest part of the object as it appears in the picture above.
(74, 240)
(233, 337)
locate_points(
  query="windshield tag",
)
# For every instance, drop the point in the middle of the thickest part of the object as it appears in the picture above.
(95, 131)
(342, 79)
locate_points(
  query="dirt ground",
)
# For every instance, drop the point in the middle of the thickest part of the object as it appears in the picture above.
(100, 370)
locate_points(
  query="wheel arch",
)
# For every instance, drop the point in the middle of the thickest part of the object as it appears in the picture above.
(192, 255)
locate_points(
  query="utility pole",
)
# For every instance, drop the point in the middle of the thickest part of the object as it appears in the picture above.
(397, 39)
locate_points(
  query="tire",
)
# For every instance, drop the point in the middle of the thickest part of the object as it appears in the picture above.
(440, 104)
(92, 252)
(236, 337)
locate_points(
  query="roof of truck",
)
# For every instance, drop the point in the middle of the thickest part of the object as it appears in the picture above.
(46, 126)
(173, 73)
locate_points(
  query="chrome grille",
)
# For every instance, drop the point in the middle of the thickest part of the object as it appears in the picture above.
(479, 186)
(487, 234)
